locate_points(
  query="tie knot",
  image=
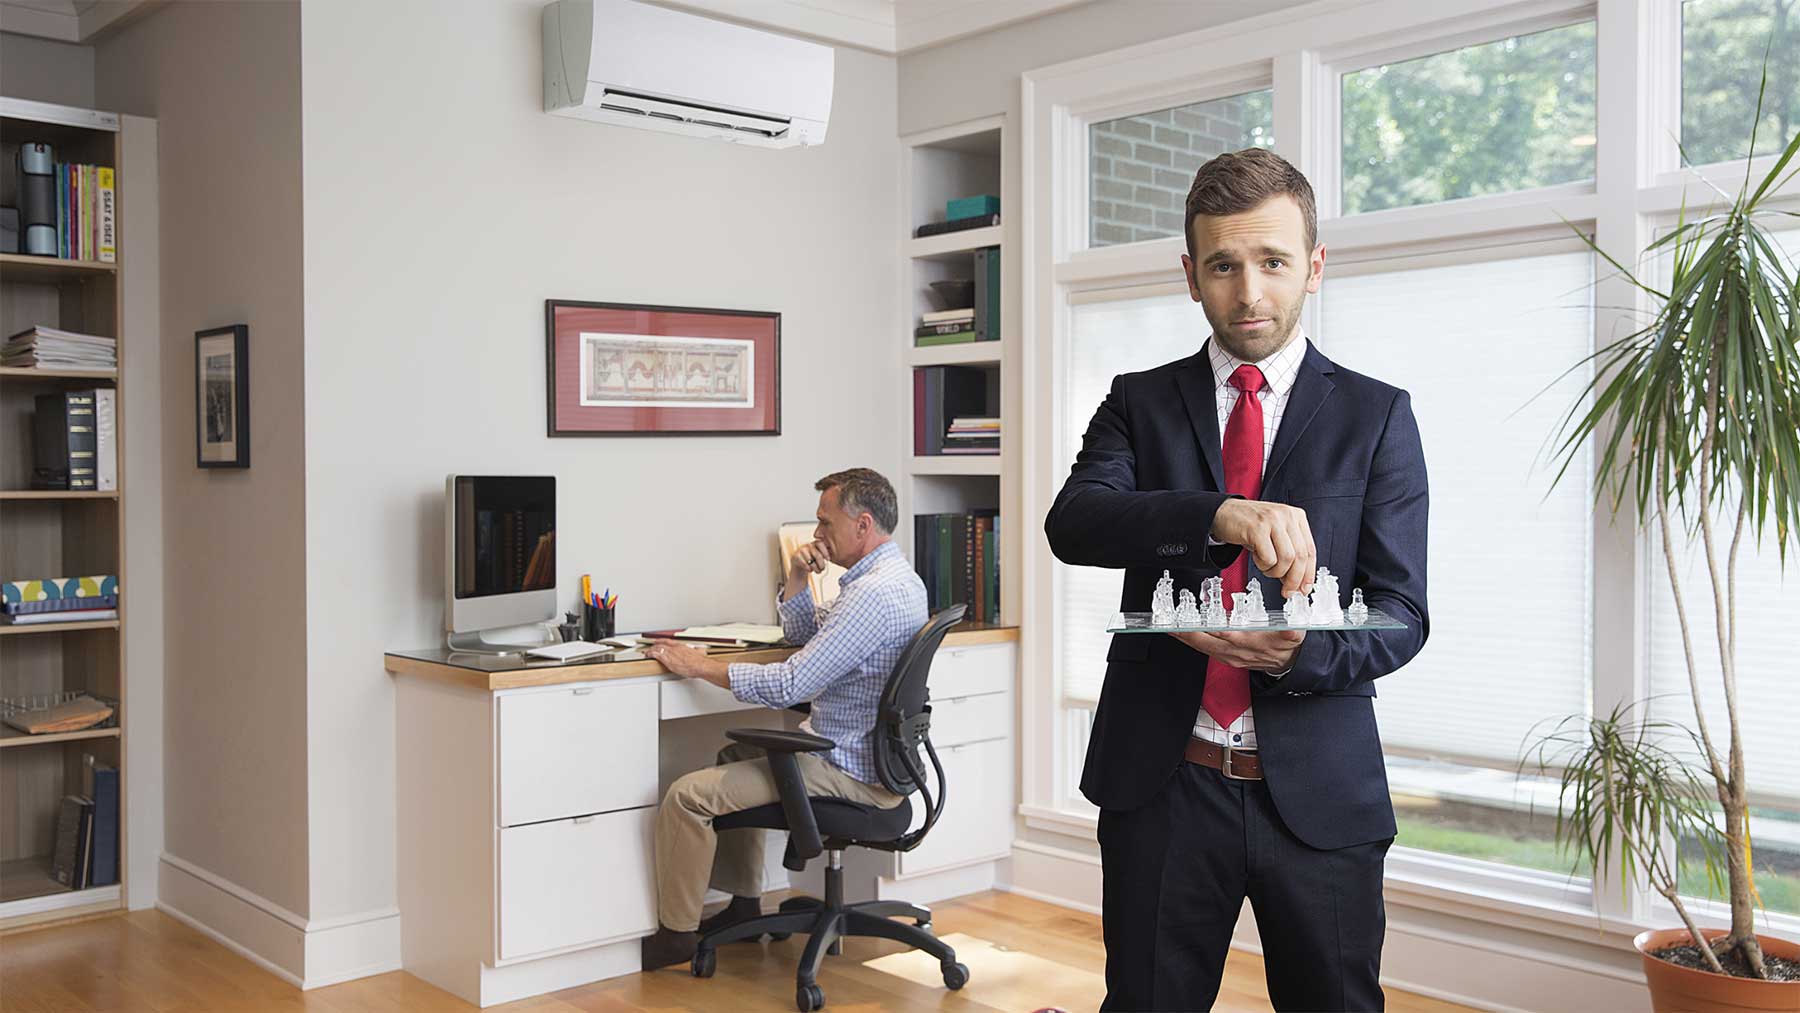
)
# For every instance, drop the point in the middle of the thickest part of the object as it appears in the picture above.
(1247, 378)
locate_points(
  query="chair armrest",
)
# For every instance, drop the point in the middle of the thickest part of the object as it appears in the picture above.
(777, 740)
(796, 808)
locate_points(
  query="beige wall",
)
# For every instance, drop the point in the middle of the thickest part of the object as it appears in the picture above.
(223, 82)
(443, 206)
(44, 70)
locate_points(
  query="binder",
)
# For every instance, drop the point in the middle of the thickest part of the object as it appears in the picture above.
(105, 865)
(64, 439)
(106, 439)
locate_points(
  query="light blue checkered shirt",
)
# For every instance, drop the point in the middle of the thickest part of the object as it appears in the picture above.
(848, 651)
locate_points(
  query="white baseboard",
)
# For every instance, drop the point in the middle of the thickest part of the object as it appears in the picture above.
(1459, 959)
(306, 954)
(565, 970)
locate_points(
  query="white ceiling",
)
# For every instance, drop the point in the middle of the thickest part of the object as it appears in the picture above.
(882, 26)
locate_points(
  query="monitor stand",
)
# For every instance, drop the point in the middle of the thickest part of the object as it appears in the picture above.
(477, 642)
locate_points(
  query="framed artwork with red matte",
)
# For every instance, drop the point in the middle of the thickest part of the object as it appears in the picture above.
(620, 369)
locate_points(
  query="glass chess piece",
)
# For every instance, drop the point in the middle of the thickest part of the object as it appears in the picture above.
(1259, 613)
(1358, 612)
(1297, 611)
(1327, 607)
(1162, 603)
(1187, 613)
(1240, 609)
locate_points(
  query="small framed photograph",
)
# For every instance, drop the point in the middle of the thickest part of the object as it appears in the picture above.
(618, 369)
(222, 397)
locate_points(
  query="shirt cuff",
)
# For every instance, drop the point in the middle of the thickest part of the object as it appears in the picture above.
(794, 603)
(742, 676)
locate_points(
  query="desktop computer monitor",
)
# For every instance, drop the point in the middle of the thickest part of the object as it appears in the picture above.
(499, 556)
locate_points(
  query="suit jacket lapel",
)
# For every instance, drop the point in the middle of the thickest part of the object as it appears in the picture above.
(1195, 381)
(1312, 385)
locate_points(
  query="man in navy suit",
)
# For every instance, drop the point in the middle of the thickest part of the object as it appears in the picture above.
(1238, 765)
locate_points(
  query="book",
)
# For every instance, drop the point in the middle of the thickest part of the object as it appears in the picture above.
(63, 441)
(942, 316)
(84, 847)
(67, 841)
(987, 294)
(27, 608)
(76, 616)
(945, 327)
(104, 868)
(956, 225)
(964, 337)
(106, 245)
(106, 440)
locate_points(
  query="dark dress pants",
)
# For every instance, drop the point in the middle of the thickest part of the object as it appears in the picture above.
(1177, 871)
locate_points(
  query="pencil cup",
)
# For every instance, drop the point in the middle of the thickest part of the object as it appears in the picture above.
(596, 623)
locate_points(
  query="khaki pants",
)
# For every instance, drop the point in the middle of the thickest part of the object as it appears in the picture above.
(687, 847)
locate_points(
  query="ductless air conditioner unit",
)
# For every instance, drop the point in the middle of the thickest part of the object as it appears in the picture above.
(616, 61)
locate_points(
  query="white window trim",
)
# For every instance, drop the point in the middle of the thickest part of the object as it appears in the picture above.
(1305, 49)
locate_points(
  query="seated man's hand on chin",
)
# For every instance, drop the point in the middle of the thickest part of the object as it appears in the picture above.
(1257, 650)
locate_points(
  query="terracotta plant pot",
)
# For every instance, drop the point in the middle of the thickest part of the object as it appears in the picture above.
(1677, 989)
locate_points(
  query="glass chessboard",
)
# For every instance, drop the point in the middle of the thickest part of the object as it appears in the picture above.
(1139, 622)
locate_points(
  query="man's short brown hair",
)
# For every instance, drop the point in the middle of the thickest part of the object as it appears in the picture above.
(1239, 181)
(864, 490)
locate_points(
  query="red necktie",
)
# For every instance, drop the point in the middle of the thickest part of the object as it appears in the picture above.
(1227, 693)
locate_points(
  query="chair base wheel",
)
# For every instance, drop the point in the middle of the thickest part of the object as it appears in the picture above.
(705, 962)
(776, 937)
(955, 975)
(808, 998)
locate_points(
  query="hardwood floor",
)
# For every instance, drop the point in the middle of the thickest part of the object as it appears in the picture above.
(1022, 955)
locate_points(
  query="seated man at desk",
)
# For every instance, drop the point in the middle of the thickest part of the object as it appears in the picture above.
(848, 650)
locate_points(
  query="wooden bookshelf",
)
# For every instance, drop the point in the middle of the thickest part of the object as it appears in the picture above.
(47, 533)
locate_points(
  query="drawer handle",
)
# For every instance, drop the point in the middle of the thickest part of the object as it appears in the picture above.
(582, 819)
(584, 692)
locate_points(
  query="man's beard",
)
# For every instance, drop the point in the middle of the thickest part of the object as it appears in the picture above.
(1255, 348)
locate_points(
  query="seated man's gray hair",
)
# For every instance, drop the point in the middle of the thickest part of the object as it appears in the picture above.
(863, 490)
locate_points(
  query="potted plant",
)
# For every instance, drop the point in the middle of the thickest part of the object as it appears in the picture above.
(1697, 418)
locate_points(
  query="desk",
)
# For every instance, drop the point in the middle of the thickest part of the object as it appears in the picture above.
(528, 793)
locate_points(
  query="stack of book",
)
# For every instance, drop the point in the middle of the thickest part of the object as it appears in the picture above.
(59, 600)
(972, 435)
(945, 327)
(945, 395)
(86, 849)
(958, 558)
(49, 348)
(85, 215)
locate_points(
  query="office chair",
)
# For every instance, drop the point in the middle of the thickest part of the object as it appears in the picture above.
(830, 825)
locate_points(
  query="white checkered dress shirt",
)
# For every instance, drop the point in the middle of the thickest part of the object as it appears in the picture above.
(848, 651)
(1279, 372)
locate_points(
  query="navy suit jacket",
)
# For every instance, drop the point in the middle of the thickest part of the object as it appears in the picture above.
(1141, 497)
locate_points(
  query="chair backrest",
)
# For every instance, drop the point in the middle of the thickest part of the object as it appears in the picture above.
(903, 723)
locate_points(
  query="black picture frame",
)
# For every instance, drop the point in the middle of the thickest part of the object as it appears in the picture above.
(222, 397)
(566, 417)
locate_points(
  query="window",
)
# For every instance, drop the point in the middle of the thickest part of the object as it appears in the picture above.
(1476, 345)
(1509, 115)
(1128, 332)
(1722, 48)
(1143, 165)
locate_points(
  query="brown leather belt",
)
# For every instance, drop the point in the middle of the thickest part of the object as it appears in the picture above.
(1235, 764)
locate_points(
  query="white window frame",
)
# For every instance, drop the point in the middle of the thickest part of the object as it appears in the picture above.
(1304, 51)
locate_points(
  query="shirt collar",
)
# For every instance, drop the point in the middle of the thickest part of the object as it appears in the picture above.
(868, 562)
(1279, 370)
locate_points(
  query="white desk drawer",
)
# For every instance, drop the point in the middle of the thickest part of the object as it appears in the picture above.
(686, 698)
(960, 719)
(571, 752)
(966, 671)
(978, 820)
(569, 882)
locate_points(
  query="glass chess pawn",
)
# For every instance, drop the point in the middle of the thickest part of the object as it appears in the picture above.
(1358, 612)
(1187, 613)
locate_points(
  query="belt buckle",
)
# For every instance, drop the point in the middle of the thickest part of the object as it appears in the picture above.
(1225, 766)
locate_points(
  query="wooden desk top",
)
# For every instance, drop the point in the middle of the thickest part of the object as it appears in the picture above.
(487, 672)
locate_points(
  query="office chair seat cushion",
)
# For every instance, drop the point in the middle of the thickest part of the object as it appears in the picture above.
(838, 818)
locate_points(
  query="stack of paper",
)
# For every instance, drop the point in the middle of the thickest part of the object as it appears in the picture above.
(49, 348)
